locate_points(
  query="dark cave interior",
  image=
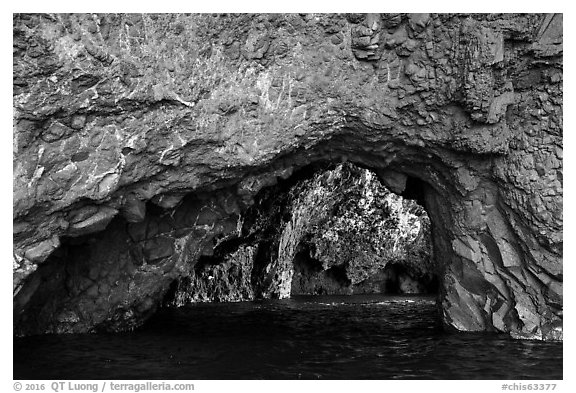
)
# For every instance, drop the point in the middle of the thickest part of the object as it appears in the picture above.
(88, 268)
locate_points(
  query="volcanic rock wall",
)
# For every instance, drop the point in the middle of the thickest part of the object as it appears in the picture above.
(114, 114)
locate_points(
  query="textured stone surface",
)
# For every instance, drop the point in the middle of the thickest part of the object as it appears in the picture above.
(228, 281)
(468, 107)
(353, 229)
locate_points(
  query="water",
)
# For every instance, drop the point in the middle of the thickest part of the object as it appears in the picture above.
(320, 337)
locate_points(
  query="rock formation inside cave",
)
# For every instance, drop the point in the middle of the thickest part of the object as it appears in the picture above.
(345, 232)
(154, 134)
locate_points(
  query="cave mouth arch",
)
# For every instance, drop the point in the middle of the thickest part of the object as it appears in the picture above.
(70, 292)
(153, 239)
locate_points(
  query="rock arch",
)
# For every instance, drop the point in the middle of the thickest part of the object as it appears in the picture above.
(126, 117)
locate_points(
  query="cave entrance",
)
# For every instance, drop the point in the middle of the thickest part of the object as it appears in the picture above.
(329, 229)
(323, 229)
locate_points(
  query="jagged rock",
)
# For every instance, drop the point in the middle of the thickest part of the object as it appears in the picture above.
(94, 222)
(418, 21)
(39, 252)
(478, 102)
(22, 268)
(392, 20)
(229, 281)
(346, 212)
(167, 201)
(78, 122)
(365, 38)
(55, 132)
(133, 210)
(395, 181)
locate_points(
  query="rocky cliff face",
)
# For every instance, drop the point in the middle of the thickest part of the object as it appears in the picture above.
(154, 133)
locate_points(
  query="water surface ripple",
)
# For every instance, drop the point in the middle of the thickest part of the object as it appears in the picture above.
(320, 337)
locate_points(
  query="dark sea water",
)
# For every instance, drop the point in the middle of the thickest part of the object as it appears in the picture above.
(320, 337)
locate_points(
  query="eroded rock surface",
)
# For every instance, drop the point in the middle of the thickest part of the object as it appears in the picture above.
(116, 113)
(355, 232)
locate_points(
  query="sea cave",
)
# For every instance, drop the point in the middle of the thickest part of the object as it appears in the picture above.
(164, 160)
